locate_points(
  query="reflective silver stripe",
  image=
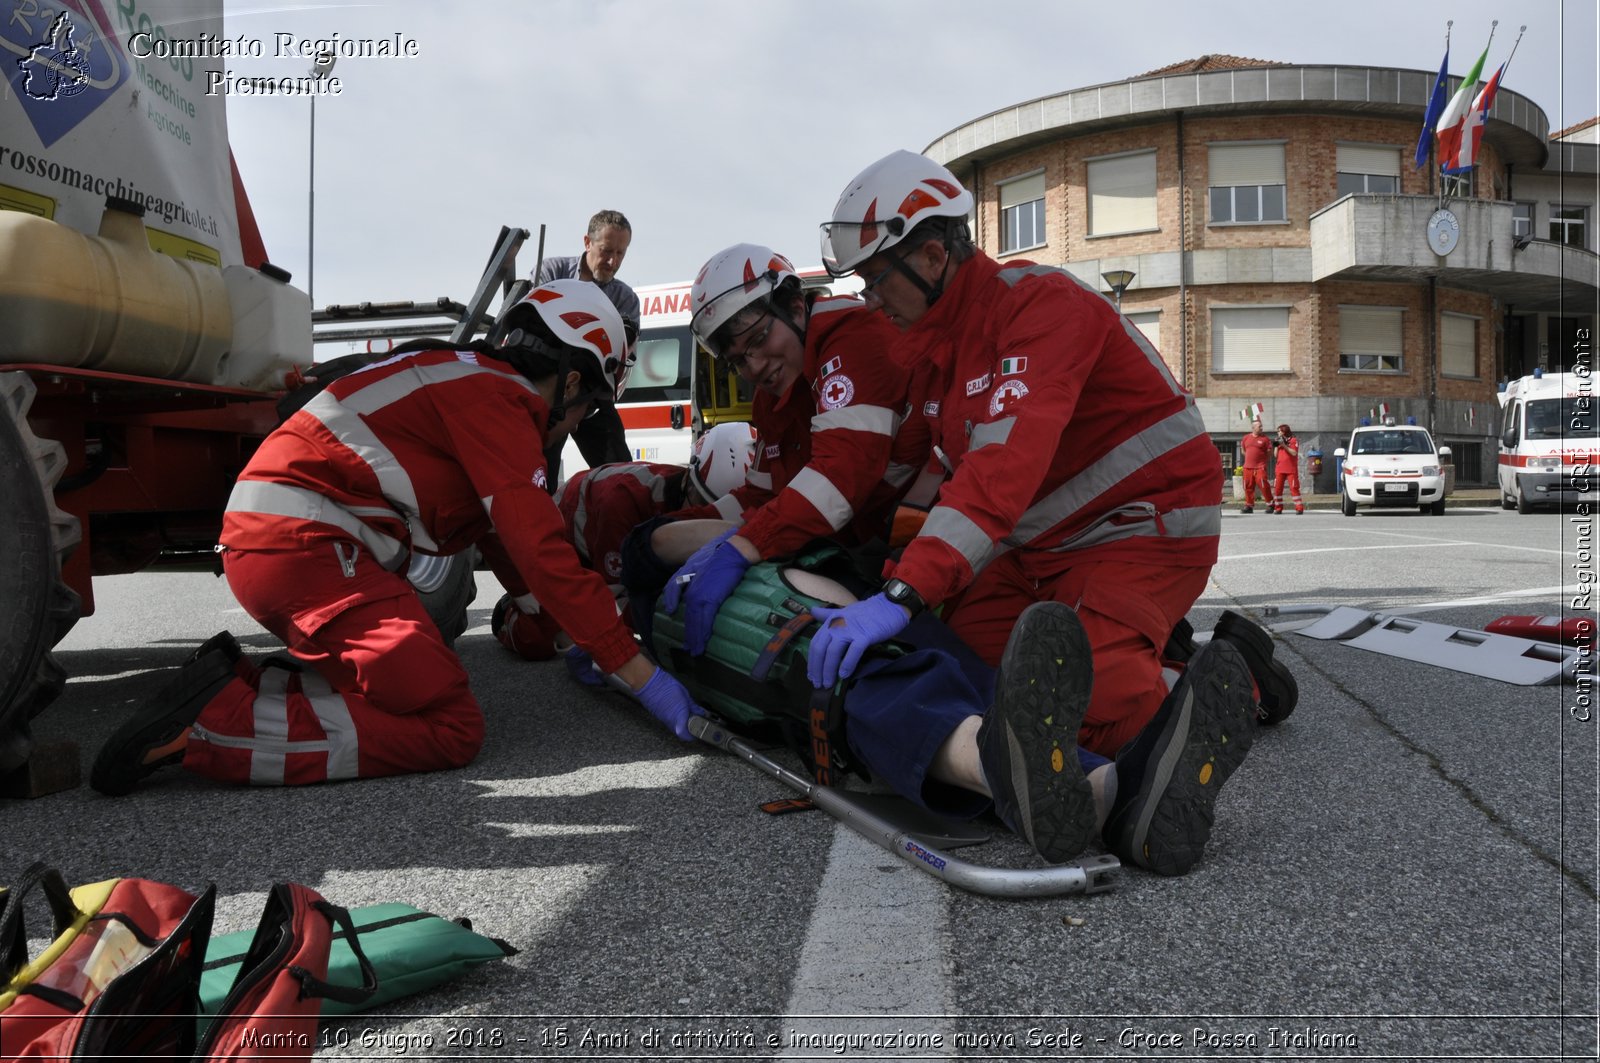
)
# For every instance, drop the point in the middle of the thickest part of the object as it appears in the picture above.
(926, 489)
(344, 421)
(820, 491)
(1122, 461)
(1016, 273)
(333, 713)
(763, 480)
(991, 434)
(955, 528)
(875, 419)
(286, 500)
(897, 475)
(1177, 524)
(730, 509)
(271, 725)
(527, 603)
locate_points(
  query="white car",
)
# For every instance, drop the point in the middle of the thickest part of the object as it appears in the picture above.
(1392, 466)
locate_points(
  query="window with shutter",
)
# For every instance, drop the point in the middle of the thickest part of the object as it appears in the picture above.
(1370, 339)
(1022, 213)
(1250, 339)
(1458, 345)
(1122, 194)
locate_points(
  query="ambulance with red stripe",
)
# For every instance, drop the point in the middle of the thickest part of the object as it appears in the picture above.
(1548, 442)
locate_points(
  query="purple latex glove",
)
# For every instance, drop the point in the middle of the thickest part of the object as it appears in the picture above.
(847, 633)
(581, 665)
(670, 703)
(702, 585)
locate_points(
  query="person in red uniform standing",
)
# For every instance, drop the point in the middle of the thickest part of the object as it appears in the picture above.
(1256, 446)
(835, 449)
(1080, 473)
(430, 451)
(1286, 469)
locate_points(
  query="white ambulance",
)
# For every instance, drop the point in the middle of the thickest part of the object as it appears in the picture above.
(1547, 441)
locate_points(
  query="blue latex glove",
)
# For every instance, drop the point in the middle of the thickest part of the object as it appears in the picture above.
(702, 585)
(581, 665)
(847, 633)
(670, 703)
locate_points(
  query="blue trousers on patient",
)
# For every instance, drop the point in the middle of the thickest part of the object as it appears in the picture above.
(899, 711)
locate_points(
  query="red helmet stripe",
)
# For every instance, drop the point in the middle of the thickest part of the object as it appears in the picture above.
(869, 224)
(944, 186)
(599, 338)
(543, 295)
(917, 200)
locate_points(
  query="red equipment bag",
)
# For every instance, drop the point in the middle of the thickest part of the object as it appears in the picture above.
(272, 1010)
(122, 977)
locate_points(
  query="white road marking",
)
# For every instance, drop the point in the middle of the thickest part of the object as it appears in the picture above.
(878, 945)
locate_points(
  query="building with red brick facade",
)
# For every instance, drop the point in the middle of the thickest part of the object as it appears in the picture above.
(1285, 250)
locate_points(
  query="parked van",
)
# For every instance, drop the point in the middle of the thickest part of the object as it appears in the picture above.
(1547, 441)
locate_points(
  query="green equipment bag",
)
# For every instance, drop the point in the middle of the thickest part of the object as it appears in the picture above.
(753, 673)
(410, 950)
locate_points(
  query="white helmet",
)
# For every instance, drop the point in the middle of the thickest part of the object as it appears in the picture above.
(579, 317)
(884, 203)
(721, 457)
(731, 280)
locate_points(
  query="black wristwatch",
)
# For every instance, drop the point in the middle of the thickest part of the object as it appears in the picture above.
(902, 593)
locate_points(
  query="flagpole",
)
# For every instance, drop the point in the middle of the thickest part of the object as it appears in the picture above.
(1475, 70)
(1433, 139)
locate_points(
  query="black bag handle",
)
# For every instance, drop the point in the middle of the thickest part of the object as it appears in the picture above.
(312, 986)
(13, 937)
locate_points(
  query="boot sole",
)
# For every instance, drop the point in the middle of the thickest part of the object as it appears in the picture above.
(1166, 826)
(1041, 693)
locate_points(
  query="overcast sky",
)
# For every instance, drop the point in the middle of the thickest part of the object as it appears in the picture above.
(709, 122)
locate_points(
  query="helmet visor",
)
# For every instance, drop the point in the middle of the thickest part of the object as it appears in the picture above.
(847, 244)
(719, 324)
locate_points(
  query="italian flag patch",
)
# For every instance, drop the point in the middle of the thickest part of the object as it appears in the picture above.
(1012, 365)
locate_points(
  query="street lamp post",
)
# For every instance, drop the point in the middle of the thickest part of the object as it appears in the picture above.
(1118, 279)
(321, 67)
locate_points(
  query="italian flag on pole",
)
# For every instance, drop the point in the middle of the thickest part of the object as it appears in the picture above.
(1456, 141)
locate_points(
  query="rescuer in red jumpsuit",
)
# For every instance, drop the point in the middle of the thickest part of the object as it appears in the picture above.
(1080, 473)
(836, 443)
(1286, 469)
(1257, 446)
(431, 451)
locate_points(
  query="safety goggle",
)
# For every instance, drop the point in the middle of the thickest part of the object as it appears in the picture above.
(844, 241)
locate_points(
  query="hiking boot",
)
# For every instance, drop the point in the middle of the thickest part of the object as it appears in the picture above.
(1168, 777)
(1028, 741)
(161, 720)
(1275, 685)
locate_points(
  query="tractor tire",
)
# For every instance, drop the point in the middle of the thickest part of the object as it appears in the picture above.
(446, 586)
(35, 538)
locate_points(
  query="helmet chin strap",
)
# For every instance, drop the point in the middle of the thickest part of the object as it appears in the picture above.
(930, 292)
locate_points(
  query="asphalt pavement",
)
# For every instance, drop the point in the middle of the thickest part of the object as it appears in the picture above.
(1405, 869)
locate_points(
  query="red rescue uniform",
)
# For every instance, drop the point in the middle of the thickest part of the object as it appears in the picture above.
(836, 451)
(428, 452)
(1287, 472)
(1256, 448)
(1080, 472)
